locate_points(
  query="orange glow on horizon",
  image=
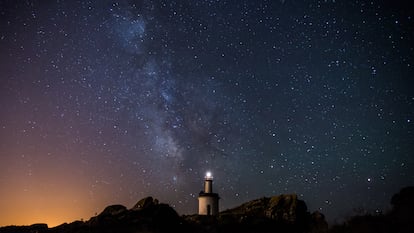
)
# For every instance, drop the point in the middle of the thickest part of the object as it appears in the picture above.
(37, 187)
(51, 194)
(47, 206)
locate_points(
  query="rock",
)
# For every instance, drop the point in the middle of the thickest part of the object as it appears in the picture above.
(282, 208)
(38, 228)
(145, 203)
(318, 223)
(286, 208)
(402, 215)
(283, 213)
(109, 216)
(113, 210)
(146, 216)
(74, 227)
(399, 219)
(403, 202)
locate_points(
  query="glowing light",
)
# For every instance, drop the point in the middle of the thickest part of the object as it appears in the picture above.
(209, 175)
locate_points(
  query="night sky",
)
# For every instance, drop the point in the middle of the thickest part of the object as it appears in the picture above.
(108, 102)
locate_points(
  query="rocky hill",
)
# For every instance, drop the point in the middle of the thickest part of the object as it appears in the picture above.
(400, 219)
(283, 213)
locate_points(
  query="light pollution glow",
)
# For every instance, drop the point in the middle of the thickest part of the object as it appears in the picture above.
(44, 191)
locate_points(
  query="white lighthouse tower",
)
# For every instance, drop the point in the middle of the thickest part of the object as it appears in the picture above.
(207, 200)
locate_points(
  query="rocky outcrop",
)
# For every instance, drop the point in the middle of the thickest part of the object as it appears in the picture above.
(147, 215)
(114, 210)
(283, 209)
(286, 208)
(283, 213)
(318, 223)
(399, 219)
(403, 207)
(145, 203)
(38, 228)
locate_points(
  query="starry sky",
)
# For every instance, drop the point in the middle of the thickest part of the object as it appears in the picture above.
(107, 102)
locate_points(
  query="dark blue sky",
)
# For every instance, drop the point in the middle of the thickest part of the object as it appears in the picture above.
(106, 102)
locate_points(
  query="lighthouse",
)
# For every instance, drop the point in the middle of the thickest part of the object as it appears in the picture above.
(207, 200)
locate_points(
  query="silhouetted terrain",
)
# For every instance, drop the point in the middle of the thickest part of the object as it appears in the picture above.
(400, 219)
(283, 213)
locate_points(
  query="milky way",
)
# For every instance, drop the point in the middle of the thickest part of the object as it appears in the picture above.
(108, 102)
